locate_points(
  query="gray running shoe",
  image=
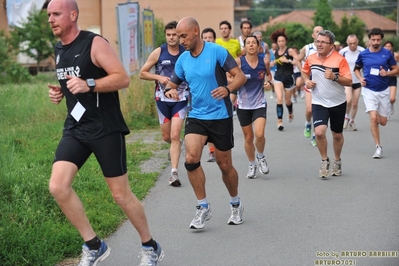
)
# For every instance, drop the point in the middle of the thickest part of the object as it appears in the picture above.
(174, 180)
(92, 257)
(149, 257)
(336, 168)
(377, 153)
(202, 215)
(324, 168)
(251, 172)
(263, 168)
(236, 214)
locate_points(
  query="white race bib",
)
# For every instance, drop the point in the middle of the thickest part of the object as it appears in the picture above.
(374, 71)
(78, 111)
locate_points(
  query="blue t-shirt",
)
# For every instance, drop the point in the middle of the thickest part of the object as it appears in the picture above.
(371, 62)
(204, 73)
(272, 58)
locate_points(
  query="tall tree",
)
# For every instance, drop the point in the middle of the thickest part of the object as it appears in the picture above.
(297, 34)
(354, 25)
(323, 16)
(35, 38)
(10, 70)
(159, 28)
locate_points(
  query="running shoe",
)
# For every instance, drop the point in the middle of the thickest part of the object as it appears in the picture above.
(307, 132)
(280, 126)
(313, 142)
(377, 153)
(201, 216)
(236, 214)
(263, 168)
(150, 257)
(336, 168)
(346, 122)
(92, 257)
(324, 168)
(352, 126)
(251, 172)
(290, 117)
(174, 180)
(211, 157)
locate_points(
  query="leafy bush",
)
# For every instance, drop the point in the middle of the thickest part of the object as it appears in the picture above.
(10, 71)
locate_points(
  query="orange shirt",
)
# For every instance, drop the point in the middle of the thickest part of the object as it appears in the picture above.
(327, 93)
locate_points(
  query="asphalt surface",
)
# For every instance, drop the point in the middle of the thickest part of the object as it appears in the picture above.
(291, 217)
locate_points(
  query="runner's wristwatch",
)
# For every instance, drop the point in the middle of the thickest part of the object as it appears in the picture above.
(91, 84)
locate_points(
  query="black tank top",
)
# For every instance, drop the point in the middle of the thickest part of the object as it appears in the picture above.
(285, 69)
(103, 115)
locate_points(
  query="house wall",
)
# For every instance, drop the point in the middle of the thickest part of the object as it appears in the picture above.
(3, 16)
(100, 15)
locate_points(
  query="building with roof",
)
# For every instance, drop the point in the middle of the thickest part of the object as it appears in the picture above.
(100, 15)
(305, 17)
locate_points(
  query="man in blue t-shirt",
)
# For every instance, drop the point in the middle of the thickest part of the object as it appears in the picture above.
(203, 66)
(378, 65)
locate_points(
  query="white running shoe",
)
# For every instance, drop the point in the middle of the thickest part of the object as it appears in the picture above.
(174, 180)
(236, 214)
(149, 257)
(263, 168)
(377, 153)
(92, 257)
(346, 122)
(352, 126)
(251, 172)
(211, 157)
(201, 216)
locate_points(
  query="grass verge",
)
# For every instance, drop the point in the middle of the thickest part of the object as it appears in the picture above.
(33, 230)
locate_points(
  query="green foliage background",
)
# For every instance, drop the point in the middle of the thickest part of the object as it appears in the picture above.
(36, 35)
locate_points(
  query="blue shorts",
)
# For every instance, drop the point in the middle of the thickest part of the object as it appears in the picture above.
(167, 110)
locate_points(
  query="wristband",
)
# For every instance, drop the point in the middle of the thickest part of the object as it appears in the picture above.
(228, 90)
(336, 78)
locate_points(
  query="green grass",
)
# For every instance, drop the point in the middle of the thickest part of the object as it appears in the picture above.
(33, 230)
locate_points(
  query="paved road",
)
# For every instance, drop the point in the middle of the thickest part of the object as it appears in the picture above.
(291, 217)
